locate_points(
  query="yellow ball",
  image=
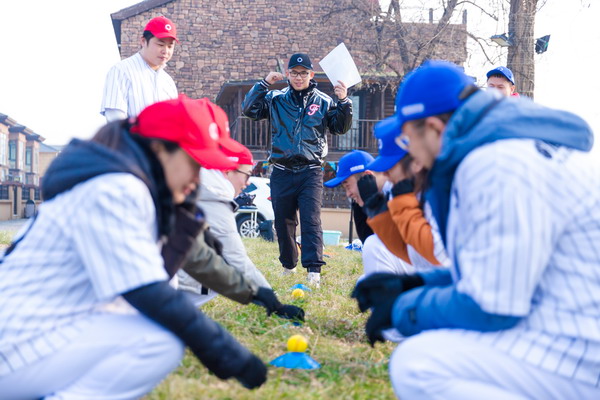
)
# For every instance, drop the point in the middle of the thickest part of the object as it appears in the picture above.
(298, 293)
(297, 344)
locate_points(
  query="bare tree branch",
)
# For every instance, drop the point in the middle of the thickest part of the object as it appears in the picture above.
(492, 16)
(479, 41)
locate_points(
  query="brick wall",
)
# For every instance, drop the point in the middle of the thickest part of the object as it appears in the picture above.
(236, 40)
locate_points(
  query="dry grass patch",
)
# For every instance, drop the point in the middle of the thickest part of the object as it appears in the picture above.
(351, 369)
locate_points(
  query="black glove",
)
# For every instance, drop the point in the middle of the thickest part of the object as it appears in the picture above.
(213, 242)
(266, 298)
(289, 311)
(380, 320)
(188, 224)
(367, 187)
(380, 287)
(403, 187)
(253, 374)
(376, 205)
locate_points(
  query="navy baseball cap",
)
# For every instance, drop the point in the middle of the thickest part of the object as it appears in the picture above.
(352, 163)
(389, 151)
(300, 59)
(433, 88)
(505, 72)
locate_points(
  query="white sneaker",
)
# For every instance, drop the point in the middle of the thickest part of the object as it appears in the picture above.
(314, 279)
(287, 271)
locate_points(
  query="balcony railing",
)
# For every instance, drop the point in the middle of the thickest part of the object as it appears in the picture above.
(256, 135)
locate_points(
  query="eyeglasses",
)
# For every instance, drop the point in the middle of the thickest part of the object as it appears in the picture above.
(248, 175)
(303, 74)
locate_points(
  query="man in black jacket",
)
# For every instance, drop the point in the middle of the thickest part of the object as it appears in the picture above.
(299, 115)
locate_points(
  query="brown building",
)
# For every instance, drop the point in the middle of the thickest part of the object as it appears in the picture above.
(227, 45)
(19, 168)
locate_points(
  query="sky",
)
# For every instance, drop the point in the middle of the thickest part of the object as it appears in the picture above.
(55, 60)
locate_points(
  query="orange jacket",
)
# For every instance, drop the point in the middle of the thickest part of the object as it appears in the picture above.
(404, 224)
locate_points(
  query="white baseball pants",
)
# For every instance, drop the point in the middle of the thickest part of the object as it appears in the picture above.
(377, 258)
(118, 357)
(443, 364)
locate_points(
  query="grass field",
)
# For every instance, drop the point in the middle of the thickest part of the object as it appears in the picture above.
(351, 369)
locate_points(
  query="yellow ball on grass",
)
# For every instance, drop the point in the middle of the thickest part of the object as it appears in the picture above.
(298, 293)
(297, 344)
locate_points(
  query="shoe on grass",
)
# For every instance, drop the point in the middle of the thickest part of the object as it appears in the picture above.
(314, 279)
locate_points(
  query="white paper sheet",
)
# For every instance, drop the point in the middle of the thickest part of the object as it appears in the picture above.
(338, 65)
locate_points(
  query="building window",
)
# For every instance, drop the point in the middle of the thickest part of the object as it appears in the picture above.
(12, 154)
(3, 141)
(28, 157)
(26, 194)
(37, 194)
(4, 192)
(21, 158)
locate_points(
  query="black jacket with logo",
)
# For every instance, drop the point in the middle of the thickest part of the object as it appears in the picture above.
(299, 121)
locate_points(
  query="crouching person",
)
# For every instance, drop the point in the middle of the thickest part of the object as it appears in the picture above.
(376, 257)
(108, 201)
(222, 266)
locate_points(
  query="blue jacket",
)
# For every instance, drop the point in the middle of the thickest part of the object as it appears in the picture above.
(483, 118)
(299, 121)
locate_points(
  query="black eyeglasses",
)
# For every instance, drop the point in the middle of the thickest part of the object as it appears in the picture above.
(295, 74)
(248, 175)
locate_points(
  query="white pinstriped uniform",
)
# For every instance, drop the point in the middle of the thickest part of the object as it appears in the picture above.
(72, 261)
(525, 229)
(132, 85)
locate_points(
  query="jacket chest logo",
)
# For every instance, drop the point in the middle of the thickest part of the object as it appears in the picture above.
(313, 108)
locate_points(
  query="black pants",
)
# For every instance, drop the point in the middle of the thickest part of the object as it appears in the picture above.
(292, 191)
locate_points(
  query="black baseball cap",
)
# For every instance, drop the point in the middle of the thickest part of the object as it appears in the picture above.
(300, 59)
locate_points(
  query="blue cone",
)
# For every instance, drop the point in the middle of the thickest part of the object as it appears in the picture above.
(301, 286)
(295, 360)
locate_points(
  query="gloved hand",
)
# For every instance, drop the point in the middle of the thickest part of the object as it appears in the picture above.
(188, 224)
(289, 311)
(367, 187)
(403, 187)
(266, 298)
(380, 320)
(376, 205)
(213, 242)
(380, 287)
(254, 373)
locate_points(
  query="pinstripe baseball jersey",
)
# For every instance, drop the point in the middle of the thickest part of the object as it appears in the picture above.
(524, 229)
(132, 85)
(86, 247)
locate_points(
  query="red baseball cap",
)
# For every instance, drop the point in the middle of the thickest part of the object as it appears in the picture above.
(225, 141)
(162, 27)
(189, 123)
(243, 156)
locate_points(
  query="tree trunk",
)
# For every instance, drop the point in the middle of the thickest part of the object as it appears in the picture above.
(521, 22)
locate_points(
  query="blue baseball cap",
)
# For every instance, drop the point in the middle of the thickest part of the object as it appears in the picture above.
(352, 163)
(389, 151)
(433, 88)
(507, 73)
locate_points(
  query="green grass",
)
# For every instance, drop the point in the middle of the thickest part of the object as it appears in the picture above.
(351, 369)
(6, 238)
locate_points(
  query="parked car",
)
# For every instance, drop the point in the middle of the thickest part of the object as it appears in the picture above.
(261, 189)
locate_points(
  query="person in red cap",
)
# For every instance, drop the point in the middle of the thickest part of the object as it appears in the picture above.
(109, 203)
(221, 264)
(216, 198)
(141, 80)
